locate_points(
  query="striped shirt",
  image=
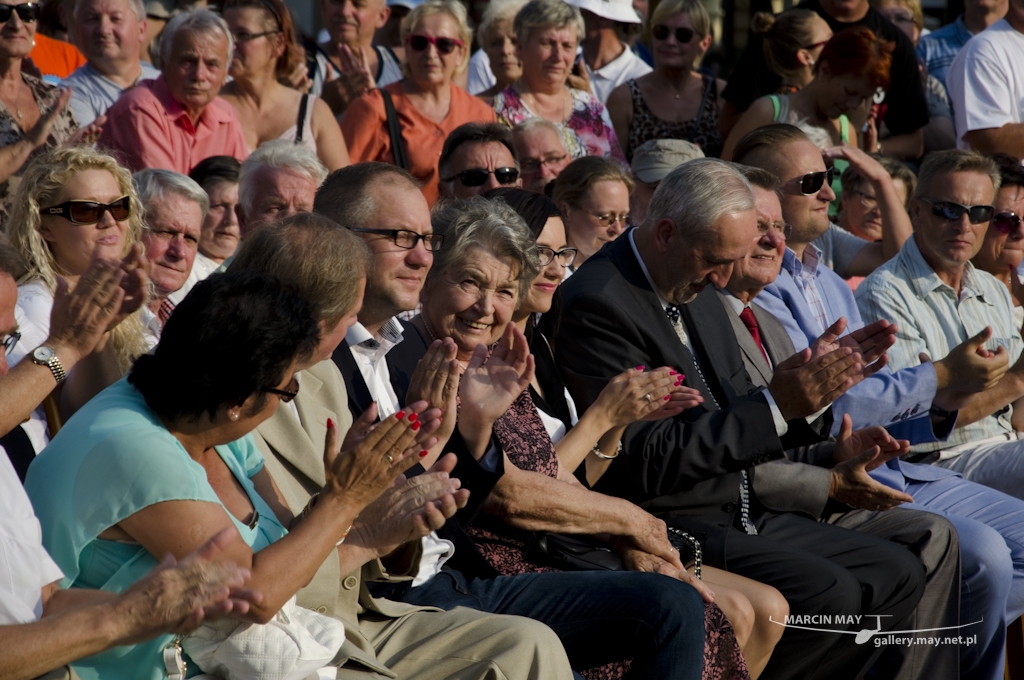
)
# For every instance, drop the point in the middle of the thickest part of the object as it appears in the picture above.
(932, 318)
(803, 272)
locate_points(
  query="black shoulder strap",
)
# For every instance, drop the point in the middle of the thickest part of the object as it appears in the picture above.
(395, 130)
(301, 124)
(709, 85)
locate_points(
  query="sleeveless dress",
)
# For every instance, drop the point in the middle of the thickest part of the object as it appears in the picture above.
(702, 130)
(783, 114)
(524, 439)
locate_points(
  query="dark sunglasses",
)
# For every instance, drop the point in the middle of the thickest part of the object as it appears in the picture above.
(285, 395)
(1006, 222)
(812, 182)
(27, 12)
(683, 35)
(405, 238)
(950, 211)
(475, 177)
(418, 43)
(90, 212)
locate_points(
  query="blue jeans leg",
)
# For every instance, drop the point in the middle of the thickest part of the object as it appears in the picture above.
(600, 616)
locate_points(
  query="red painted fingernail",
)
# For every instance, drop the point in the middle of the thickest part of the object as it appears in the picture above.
(640, 368)
(330, 424)
(679, 382)
(673, 372)
(415, 426)
(423, 454)
(400, 415)
(413, 417)
(666, 397)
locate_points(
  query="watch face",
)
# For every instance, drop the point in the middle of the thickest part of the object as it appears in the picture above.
(42, 354)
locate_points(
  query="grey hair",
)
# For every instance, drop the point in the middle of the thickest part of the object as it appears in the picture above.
(154, 185)
(497, 10)
(696, 194)
(955, 160)
(198, 20)
(547, 14)
(531, 124)
(278, 154)
(136, 5)
(487, 224)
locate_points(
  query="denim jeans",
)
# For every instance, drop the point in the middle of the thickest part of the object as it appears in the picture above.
(600, 616)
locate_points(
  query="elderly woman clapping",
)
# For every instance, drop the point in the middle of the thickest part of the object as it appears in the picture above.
(427, 103)
(547, 35)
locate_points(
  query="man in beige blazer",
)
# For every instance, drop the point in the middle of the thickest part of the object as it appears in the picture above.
(385, 639)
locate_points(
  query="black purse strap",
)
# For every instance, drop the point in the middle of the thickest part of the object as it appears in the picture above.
(395, 130)
(301, 124)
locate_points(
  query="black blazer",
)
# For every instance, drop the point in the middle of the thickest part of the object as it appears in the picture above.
(685, 469)
(402, 361)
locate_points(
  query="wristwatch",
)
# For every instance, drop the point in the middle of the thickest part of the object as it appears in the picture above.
(44, 356)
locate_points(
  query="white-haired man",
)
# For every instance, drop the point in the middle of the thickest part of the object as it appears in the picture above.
(278, 180)
(542, 153)
(176, 120)
(110, 34)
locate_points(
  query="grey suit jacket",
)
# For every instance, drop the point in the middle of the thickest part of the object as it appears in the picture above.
(294, 456)
(781, 485)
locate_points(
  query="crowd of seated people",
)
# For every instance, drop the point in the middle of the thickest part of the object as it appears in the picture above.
(545, 350)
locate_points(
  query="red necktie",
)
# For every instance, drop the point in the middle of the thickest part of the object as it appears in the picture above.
(747, 317)
(164, 313)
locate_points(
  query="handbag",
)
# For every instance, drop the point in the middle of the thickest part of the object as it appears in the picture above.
(578, 553)
(292, 646)
(395, 131)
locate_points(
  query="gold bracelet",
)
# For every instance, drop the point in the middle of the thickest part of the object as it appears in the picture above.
(343, 536)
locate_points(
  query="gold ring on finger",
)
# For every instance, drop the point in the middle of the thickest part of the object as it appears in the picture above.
(388, 458)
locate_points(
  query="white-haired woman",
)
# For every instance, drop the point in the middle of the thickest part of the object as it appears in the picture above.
(428, 105)
(74, 206)
(265, 52)
(674, 101)
(547, 35)
(496, 64)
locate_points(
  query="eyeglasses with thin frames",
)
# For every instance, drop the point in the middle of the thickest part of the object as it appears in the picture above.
(243, 37)
(404, 238)
(9, 341)
(565, 256)
(285, 395)
(535, 164)
(867, 200)
(784, 228)
(608, 219)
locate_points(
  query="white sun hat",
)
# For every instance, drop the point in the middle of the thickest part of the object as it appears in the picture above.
(616, 10)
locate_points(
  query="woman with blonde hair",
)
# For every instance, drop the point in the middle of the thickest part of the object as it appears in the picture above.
(674, 101)
(793, 42)
(593, 195)
(427, 104)
(496, 65)
(77, 205)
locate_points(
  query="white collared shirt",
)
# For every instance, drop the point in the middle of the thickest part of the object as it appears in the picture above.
(623, 68)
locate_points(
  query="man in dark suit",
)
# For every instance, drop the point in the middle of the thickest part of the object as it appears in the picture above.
(636, 302)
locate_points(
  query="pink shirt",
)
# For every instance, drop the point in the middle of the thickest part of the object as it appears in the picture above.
(147, 128)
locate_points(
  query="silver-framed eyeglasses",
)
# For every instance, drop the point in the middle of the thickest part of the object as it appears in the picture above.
(784, 228)
(608, 219)
(565, 256)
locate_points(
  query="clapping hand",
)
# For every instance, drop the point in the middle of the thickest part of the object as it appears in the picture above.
(638, 395)
(88, 135)
(871, 342)
(353, 80)
(857, 453)
(436, 380)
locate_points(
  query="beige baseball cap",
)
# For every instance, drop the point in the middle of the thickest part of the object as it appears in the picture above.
(654, 159)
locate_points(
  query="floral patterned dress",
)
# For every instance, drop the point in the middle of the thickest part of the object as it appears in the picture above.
(11, 131)
(523, 438)
(587, 132)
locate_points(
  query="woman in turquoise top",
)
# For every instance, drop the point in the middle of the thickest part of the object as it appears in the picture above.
(852, 66)
(163, 460)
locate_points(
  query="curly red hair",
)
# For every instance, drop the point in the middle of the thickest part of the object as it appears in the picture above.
(858, 51)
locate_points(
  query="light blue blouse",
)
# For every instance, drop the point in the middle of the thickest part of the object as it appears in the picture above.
(113, 458)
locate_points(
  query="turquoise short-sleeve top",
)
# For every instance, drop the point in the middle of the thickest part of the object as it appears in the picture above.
(113, 458)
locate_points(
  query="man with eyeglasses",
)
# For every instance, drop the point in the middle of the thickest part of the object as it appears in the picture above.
(1002, 251)
(476, 158)
(110, 34)
(541, 151)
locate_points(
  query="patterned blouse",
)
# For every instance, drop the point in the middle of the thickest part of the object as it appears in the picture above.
(702, 130)
(10, 132)
(587, 132)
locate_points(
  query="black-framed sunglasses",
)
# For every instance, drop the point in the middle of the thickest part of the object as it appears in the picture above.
(812, 182)
(475, 177)
(27, 12)
(784, 228)
(565, 256)
(9, 341)
(243, 37)
(951, 211)
(285, 395)
(90, 212)
(418, 43)
(1006, 222)
(404, 238)
(683, 34)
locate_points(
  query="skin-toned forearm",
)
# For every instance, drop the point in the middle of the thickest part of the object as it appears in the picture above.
(1008, 390)
(32, 649)
(905, 147)
(898, 227)
(1017, 419)
(575, 446)
(532, 501)
(1007, 139)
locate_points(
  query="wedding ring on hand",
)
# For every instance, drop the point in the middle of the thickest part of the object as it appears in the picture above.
(388, 458)
(648, 397)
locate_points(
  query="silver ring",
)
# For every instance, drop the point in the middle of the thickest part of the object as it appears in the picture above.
(388, 458)
(648, 397)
